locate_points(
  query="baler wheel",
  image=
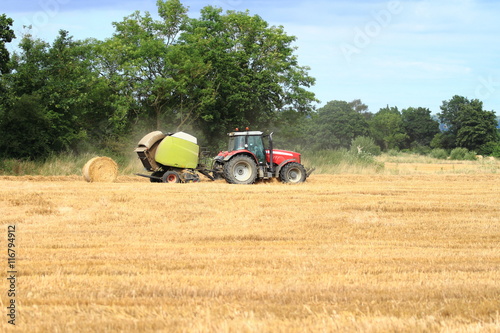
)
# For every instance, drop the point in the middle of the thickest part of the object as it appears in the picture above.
(171, 177)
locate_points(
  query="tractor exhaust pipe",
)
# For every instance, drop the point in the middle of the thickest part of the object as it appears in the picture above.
(271, 164)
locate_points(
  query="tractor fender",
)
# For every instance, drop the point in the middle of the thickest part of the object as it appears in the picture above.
(278, 168)
(240, 152)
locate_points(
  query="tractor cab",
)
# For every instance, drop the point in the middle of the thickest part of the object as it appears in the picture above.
(251, 141)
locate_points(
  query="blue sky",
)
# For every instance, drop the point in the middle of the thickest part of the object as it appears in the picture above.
(396, 53)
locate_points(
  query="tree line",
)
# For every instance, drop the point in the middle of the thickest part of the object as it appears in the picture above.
(462, 123)
(202, 75)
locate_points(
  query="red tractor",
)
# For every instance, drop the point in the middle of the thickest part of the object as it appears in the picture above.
(247, 159)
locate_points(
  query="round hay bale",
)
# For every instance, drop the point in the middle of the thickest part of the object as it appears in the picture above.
(100, 170)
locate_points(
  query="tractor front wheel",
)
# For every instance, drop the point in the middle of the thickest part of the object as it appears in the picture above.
(293, 173)
(241, 169)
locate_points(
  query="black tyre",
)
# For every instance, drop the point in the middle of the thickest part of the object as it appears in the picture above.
(171, 177)
(293, 173)
(241, 169)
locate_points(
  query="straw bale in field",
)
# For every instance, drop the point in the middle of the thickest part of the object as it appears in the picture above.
(100, 169)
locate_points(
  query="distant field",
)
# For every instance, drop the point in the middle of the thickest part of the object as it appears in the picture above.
(349, 253)
(414, 168)
(416, 164)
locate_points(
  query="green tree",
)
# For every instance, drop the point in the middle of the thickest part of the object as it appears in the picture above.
(6, 36)
(477, 128)
(419, 126)
(358, 106)
(23, 122)
(73, 104)
(144, 63)
(362, 108)
(443, 140)
(25, 129)
(29, 66)
(214, 72)
(164, 82)
(254, 71)
(80, 103)
(450, 111)
(387, 128)
(467, 123)
(335, 126)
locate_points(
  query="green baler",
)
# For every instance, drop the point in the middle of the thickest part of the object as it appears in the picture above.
(178, 152)
(171, 157)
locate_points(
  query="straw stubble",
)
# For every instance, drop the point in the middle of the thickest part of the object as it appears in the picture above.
(349, 253)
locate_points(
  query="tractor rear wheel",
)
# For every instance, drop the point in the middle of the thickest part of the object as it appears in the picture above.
(293, 173)
(241, 169)
(171, 177)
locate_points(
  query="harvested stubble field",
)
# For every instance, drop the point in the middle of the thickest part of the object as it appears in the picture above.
(340, 253)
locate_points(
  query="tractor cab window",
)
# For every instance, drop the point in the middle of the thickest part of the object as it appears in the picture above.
(256, 146)
(236, 143)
